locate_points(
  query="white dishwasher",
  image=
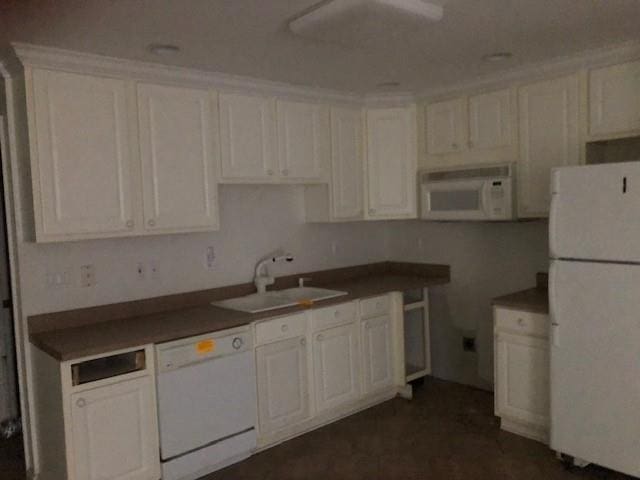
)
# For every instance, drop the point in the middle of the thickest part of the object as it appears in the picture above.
(206, 402)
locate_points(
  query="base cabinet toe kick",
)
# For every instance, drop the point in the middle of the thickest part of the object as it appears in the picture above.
(154, 412)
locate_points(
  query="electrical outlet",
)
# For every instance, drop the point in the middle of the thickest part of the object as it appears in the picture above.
(140, 271)
(154, 269)
(210, 257)
(87, 275)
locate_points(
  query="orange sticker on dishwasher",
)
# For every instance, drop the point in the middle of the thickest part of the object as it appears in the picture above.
(205, 346)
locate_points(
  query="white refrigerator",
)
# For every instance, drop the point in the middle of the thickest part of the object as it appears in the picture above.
(594, 299)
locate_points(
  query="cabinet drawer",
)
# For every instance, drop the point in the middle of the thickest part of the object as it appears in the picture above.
(335, 315)
(518, 321)
(371, 307)
(281, 328)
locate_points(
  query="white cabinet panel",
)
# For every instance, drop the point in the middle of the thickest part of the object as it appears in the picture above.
(377, 353)
(248, 137)
(347, 163)
(549, 137)
(283, 384)
(391, 163)
(336, 366)
(179, 160)
(115, 432)
(614, 94)
(522, 379)
(490, 120)
(80, 155)
(303, 140)
(446, 126)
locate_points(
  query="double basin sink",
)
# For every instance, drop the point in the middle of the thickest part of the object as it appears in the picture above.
(273, 300)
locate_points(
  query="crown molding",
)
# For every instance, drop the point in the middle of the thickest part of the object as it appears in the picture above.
(561, 65)
(80, 62)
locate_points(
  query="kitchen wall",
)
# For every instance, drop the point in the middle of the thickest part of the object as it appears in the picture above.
(487, 260)
(254, 221)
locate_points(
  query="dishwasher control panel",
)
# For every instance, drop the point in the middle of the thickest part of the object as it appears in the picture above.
(179, 353)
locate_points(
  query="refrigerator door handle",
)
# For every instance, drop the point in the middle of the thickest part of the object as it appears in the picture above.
(555, 326)
(555, 201)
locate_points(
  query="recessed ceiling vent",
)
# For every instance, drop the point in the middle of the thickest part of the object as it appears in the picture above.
(365, 23)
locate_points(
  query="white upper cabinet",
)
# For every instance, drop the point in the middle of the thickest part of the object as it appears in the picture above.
(347, 163)
(490, 120)
(303, 140)
(549, 137)
(248, 138)
(475, 129)
(178, 151)
(446, 126)
(614, 95)
(391, 163)
(81, 155)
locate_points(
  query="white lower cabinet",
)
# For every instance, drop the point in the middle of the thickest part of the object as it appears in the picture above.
(283, 384)
(377, 353)
(97, 416)
(336, 366)
(115, 432)
(521, 352)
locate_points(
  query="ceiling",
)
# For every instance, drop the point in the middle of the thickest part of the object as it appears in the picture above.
(251, 37)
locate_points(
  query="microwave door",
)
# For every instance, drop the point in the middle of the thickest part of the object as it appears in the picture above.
(455, 201)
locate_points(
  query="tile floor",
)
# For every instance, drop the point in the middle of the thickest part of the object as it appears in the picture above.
(446, 432)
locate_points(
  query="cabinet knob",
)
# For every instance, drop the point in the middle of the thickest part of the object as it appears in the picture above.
(367, 325)
(372, 211)
(129, 223)
(151, 223)
(269, 172)
(81, 402)
(454, 146)
(285, 172)
(303, 341)
(284, 328)
(521, 321)
(320, 337)
(336, 314)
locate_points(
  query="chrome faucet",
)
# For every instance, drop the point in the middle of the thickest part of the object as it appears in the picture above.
(262, 279)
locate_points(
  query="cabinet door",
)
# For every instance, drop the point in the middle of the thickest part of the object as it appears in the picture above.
(391, 163)
(303, 140)
(548, 138)
(614, 95)
(248, 137)
(446, 127)
(377, 354)
(115, 432)
(522, 378)
(81, 155)
(336, 366)
(283, 384)
(347, 168)
(490, 120)
(179, 163)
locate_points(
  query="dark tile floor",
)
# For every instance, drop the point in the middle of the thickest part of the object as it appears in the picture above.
(11, 459)
(447, 432)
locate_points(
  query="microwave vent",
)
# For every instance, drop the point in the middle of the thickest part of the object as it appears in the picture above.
(467, 173)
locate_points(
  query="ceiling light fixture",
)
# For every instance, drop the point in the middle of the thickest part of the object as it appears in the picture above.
(497, 57)
(335, 9)
(163, 49)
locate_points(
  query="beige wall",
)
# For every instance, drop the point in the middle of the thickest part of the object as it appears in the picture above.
(487, 260)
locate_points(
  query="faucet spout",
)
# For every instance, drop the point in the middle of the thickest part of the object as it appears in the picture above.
(262, 279)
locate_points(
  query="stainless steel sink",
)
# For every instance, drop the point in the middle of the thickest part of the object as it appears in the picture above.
(262, 302)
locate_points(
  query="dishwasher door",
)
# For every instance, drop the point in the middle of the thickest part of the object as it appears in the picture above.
(207, 401)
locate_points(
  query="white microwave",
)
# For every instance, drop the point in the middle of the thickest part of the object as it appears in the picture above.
(485, 193)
